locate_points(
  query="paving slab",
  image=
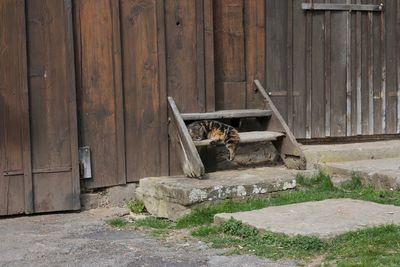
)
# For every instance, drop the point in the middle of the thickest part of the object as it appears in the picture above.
(325, 219)
(381, 173)
(173, 197)
(319, 154)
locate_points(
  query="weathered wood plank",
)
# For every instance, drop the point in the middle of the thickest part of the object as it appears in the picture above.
(209, 55)
(15, 153)
(276, 52)
(327, 72)
(246, 137)
(317, 82)
(287, 146)
(341, 7)
(144, 121)
(100, 89)
(53, 104)
(391, 41)
(189, 158)
(227, 114)
(338, 73)
(229, 54)
(254, 48)
(299, 70)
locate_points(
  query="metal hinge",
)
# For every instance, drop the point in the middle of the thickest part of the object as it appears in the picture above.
(85, 167)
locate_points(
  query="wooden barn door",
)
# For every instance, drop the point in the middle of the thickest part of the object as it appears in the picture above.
(38, 132)
(15, 157)
(332, 65)
(53, 121)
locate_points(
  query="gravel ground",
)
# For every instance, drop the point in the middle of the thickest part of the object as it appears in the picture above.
(83, 239)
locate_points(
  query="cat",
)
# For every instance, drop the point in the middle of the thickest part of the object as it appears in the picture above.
(216, 131)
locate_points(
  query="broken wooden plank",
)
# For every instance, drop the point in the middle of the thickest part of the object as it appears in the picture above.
(227, 114)
(191, 163)
(287, 146)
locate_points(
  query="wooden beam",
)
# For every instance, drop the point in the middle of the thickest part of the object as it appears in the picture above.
(287, 146)
(342, 7)
(227, 114)
(191, 163)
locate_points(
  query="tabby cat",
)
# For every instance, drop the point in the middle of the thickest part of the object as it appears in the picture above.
(216, 131)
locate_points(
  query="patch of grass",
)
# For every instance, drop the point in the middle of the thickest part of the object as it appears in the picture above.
(318, 187)
(244, 239)
(377, 246)
(155, 223)
(117, 222)
(135, 206)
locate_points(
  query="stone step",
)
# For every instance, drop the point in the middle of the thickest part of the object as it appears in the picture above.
(326, 218)
(174, 196)
(320, 154)
(227, 114)
(380, 173)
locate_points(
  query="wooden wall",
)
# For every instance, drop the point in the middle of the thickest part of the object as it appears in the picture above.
(331, 74)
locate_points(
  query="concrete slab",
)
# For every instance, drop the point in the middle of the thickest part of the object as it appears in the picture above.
(173, 197)
(381, 173)
(325, 219)
(319, 154)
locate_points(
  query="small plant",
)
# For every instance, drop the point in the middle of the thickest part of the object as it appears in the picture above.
(135, 206)
(237, 228)
(117, 222)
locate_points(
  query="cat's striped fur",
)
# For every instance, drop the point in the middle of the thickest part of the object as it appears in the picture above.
(216, 131)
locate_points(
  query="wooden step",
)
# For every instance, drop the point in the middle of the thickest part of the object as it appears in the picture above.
(247, 137)
(227, 114)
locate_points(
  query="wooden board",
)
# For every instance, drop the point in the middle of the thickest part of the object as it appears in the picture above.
(227, 114)
(53, 106)
(246, 137)
(15, 160)
(144, 90)
(189, 158)
(100, 97)
(230, 75)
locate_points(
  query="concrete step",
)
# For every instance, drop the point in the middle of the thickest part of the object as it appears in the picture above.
(326, 219)
(174, 196)
(380, 173)
(321, 154)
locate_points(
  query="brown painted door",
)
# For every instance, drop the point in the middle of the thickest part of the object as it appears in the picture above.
(38, 132)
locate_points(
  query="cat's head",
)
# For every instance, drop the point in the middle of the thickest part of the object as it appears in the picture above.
(197, 132)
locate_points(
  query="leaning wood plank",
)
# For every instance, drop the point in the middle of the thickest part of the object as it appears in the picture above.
(287, 146)
(191, 163)
(227, 114)
(348, 7)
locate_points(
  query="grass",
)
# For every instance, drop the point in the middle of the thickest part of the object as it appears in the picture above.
(135, 206)
(379, 246)
(117, 222)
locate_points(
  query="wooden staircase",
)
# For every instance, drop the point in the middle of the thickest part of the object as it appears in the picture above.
(274, 130)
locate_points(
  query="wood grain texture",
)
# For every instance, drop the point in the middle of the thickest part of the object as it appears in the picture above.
(255, 31)
(145, 143)
(15, 190)
(100, 89)
(229, 54)
(53, 102)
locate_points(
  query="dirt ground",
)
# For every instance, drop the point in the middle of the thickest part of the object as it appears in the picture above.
(83, 239)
